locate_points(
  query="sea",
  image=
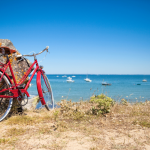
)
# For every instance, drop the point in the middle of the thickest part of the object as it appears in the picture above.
(129, 87)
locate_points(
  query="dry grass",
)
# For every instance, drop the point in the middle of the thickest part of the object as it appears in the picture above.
(73, 126)
(15, 132)
(4, 141)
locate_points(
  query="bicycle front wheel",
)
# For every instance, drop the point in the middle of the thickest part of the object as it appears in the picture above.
(5, 103)
(44, 90)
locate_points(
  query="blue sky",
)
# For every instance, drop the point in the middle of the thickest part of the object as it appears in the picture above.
(84, 36)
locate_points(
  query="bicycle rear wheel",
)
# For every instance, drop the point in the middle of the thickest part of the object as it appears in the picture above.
(5, 103)
(44, 90)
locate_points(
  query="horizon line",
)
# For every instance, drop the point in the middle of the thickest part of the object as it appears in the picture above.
(91, 74)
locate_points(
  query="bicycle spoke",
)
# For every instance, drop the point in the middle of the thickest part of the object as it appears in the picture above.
(46, 90)
(5, 103)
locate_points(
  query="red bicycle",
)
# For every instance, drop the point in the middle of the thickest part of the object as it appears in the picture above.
(12, 90)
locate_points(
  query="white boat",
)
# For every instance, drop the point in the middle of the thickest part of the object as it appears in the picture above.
(57, 76)
(73, 76)
(70, 80)
(144, 80)
(88, 80)
(64, 76)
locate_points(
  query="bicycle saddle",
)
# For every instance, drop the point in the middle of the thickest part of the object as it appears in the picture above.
(7, 50)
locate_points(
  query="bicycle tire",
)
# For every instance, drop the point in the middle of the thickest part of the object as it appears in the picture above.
(5, 103)
(44, 90)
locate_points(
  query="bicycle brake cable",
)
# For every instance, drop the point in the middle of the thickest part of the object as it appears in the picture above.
(44, 57)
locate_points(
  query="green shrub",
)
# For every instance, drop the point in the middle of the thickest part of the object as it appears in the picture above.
(102, 104)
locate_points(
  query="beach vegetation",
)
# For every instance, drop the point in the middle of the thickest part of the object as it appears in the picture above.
(71, 109)
(45, 130)
(22, 120)
(15, 132)
(102, 104)
(4, 140)
(56, 114)
(124, 102)
(76, 123)
(142, 122)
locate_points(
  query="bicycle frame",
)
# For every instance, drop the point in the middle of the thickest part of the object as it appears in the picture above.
(14, 87)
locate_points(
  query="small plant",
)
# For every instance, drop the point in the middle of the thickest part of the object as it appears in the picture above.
(124, 102)
(77, 115)
(142, 122)
(45, 130)
(61, 126)
(56, 114)
(67, 107)
(102, 104)
(145, 123)
(71, 110)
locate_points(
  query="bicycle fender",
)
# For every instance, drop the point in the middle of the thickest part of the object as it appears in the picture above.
(6, 75)
(39, 88)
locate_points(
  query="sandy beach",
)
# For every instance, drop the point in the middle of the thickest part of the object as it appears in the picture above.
(72, 127)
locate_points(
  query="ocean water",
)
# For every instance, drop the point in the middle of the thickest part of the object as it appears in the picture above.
(122, 86)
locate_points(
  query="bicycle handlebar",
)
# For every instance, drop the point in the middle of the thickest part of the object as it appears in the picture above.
(46, 49)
